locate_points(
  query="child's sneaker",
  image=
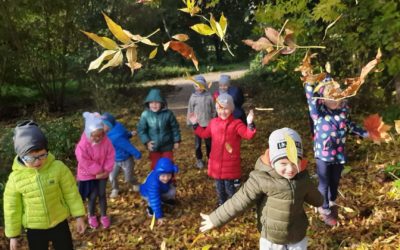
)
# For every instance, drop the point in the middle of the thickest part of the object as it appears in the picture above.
(105, 221)
(149, 211)
(114, 193)
(135, 188)
(93, 223)
(328, 216)
(200, 163)
(236, 183)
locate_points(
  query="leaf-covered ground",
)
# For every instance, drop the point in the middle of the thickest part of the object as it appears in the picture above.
(369, 212)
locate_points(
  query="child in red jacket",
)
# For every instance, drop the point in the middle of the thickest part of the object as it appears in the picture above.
(226, 133)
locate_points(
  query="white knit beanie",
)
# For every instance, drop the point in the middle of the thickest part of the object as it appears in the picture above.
(226, 101)
(277, 144)
(93, 122)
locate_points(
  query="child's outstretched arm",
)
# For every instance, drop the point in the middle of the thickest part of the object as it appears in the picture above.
(198, 130)
(355, 129)
(127, 145)
(312, 102)
(246, 196)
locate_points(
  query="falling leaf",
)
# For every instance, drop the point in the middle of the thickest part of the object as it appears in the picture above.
(203, 29)
(116, 30)
(115, 61)
(153, 221)
(291, 150)
(377, 129)
(328, 67)
(153, 53)
(181, 37)
(228, 147)
(397, 126)
(106, 55)
(223, 22)
(103, 41)
(191, 7)
(198, 84)
(185, 50)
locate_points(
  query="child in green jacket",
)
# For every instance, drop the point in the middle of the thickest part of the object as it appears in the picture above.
(40, 194)
(279, 187)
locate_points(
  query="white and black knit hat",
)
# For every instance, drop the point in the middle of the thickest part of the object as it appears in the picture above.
(226, 101)
(277, 144)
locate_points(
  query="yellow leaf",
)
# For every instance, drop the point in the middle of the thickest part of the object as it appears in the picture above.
(153, 53)
(163, 245)
(116, 30)
(153, 221)
(133, 66)
(291, 150)
(131, 54)
(166, 46)
(223, 22)
(220, 33)
(115, 61)
(185, 10)
(181, 37)
(105, 42)
(106, 55)
(397, 126)
(148, 42)
(206, 247)
(213, 24)
(197, 238)
(348, 210)
(203, 29)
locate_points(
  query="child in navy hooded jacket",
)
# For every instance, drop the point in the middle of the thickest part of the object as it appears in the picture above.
(331, 125)
(158, 187)
(124, 150)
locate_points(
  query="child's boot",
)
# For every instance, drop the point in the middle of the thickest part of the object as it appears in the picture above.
(114, 193)
(105, 221)
(328, 216)
(149, 211)
(93, 223)
(200, 163)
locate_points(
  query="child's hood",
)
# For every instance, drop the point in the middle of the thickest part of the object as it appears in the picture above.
(155, 96)
(165, 166)
(117, 131)
(18, 165)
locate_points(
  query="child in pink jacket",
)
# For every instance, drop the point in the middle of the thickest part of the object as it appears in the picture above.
(95, 155)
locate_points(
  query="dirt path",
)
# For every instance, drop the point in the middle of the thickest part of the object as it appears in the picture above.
(178, 100)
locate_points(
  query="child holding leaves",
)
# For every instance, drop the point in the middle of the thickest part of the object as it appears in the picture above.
(279, 185)
(226, 133)
(201, 103)
(331, 125)
(95, 155)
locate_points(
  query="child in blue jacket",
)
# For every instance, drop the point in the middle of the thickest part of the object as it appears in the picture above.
(124, 150)
(331, 124)
(158, 188)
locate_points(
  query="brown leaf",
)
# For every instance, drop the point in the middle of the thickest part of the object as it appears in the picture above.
(185, 50)
(228, 147)
(377, 129)
(268, 57)
(261, 44)
(273, 36)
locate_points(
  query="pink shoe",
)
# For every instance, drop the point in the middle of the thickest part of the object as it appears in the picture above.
(105, 221)
(93, 223)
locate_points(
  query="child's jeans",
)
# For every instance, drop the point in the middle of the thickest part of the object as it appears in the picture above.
(329, 174)
(225, 190)
(268, 245)
(127, 167)
(59, 235)
(197, 143)
(155, 156)
(98, 191)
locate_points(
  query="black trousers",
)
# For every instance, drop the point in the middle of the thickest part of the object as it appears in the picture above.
(59, 235)
(197, 143)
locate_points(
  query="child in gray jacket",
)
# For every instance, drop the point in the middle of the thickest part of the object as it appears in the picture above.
(202, 104)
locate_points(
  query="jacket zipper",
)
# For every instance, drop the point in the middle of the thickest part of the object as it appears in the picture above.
(291, 190)
(43, 198)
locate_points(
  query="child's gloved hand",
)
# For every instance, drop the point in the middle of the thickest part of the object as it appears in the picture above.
(150, 145)
(192, 117)
(250, 117)
(206, 224)
(176, 145)
(80, 225)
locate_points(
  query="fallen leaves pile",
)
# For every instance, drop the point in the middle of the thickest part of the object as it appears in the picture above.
(369, 214)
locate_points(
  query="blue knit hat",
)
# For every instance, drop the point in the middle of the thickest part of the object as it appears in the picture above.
(225, 80)
(108, 119)
(200, 79)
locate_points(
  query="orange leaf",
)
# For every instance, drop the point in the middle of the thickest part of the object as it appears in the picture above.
(185, 50)
(228, 147)
(377, 129)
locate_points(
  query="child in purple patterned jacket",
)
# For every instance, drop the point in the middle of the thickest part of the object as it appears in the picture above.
(331, 126)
